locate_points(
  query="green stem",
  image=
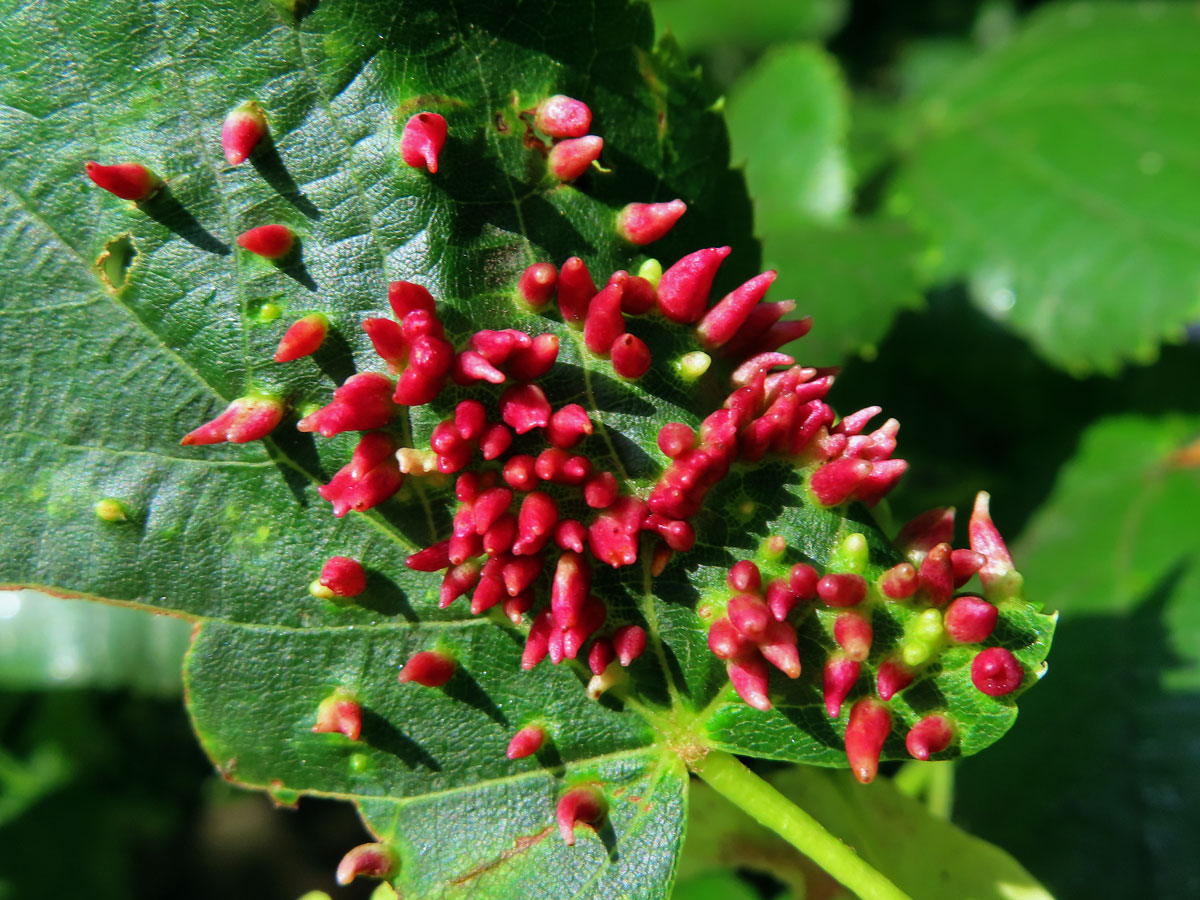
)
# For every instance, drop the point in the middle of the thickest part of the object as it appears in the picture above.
(768, 807)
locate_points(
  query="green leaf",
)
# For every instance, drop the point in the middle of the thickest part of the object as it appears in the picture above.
(1115, 550)
(133, 324)
(1055, 173)
(923, 855)
(853, 279)
(50, 641)
(715, 24)
(787, 123)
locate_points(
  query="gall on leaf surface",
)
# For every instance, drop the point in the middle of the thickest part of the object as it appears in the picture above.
(105, 378)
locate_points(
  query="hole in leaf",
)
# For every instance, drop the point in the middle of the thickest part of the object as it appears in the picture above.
(113, 264)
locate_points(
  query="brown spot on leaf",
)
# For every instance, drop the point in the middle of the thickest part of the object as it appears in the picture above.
(520, 845)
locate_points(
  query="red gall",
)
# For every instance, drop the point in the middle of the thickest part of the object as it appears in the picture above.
(241, 131)
(129, 181)
(422, 141)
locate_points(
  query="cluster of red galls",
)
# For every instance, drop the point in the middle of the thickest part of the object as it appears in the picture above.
(755, 628)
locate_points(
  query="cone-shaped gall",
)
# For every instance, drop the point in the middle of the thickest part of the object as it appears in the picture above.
(430, 668)
(526, 742)
(561, 116)
(893, 677)
(929, 736)
(422, 140)
(245, 419)
(683, 289)
(241, 131)
(842, 589)
(629, 642)
(630, 356)
(339, 713)
(268, 241)
(645, 223)
(868, 729)
(1000, 580)
(343, 576)
(129, 181)
(748, 673)
(371, 860)
(536, 284)
(582, 805)
(837, 678)
(569, 159)
(852, 631)
(303, 339)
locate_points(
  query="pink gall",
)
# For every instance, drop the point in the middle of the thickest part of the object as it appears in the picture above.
(535, 523)
(803, 580)
(675, 438)
(853, 633)
(568, 426)
(1000, 580)
(970, 620)
(524, 407)
(561, 116)
(520, 572)
(534, 361)
(249, 418)
(725, 641)
(570, 534)
(343, 576)
(936, 575)
(268, 241)
(520, 472)
(613, 536)
(537, 642)
(362, 403)
(924, 532)
(778, 645)
(488, 593)
(458, 580)
(744, 576)
(575, 290)
(683, 289)
(724, 320)
(526, 742)
(429, 668)
(931, 735)
(601, 491)
(129, 181)
(836, 481)
(629, 642)
(604, 322)
(842, 589)
(996, 672)
(431, 559)
(630, 356)
(569, 588)
(536, 284)
(781, 599)
(569, 159)
(241, 132)
(869, 726)
(899, 582)
(407, 296)
(591, 617)
(837, 679)
(303, 338)
(965, 563)
(422, 141)
(748, 674)
(638, 295)
(893, 677)
(495, 440)
(582, 805)
(749, 615)
(339, 713)
(601, 655)
(370, 860)
(645, 223)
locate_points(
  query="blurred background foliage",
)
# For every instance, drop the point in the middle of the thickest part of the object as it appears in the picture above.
(990, 209)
